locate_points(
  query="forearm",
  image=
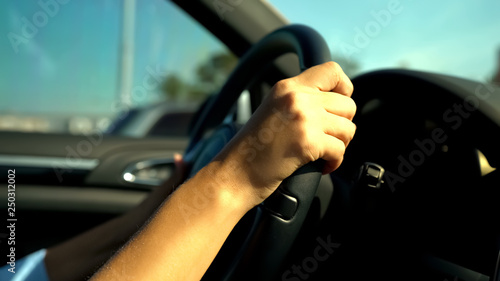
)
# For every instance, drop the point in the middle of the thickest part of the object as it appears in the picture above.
(81, 256)
(184, 236)
(307, 120)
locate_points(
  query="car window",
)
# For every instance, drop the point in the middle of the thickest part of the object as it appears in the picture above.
(459, 38)
(114, 66)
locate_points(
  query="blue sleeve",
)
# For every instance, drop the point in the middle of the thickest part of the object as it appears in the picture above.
(29, 268)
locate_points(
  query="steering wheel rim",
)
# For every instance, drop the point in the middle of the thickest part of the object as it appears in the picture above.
(308, 44)
(272, 226)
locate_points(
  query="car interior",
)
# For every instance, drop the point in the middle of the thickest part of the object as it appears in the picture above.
(416, 198)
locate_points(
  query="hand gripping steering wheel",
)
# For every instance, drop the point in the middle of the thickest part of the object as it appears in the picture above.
(259, 244)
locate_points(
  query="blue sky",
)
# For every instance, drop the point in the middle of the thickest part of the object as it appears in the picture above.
(70, 64)
(461, 38)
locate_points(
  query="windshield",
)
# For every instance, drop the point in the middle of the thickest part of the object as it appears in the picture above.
(460, 38)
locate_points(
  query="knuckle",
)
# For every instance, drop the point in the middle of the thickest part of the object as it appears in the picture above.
(351, 108)
(339, 148)
(295, 105)
(351, 133)
(333, 66)
(353, 130)
(350, 87)
(336, 70)
(340, 76)
(349, 129)
(283, 86)
(289, 100)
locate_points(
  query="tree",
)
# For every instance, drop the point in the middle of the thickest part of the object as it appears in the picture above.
(216, 70)
(172, 86)
(210, 76)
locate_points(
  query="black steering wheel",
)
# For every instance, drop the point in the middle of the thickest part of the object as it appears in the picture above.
(259, 244)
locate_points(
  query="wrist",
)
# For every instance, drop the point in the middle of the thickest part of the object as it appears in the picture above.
(229, 185)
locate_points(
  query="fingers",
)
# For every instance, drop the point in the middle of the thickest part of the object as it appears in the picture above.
(339, 132)
(333, 153)
(331, 90)
(327, 77)
(178, 161)
(340, 128)
(338, 104)
(331, 166)
(177, 158)
(180, 172)
(320, 101)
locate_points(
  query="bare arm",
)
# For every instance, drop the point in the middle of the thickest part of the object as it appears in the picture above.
(184, 236)
(79, 257)
(310, 117)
